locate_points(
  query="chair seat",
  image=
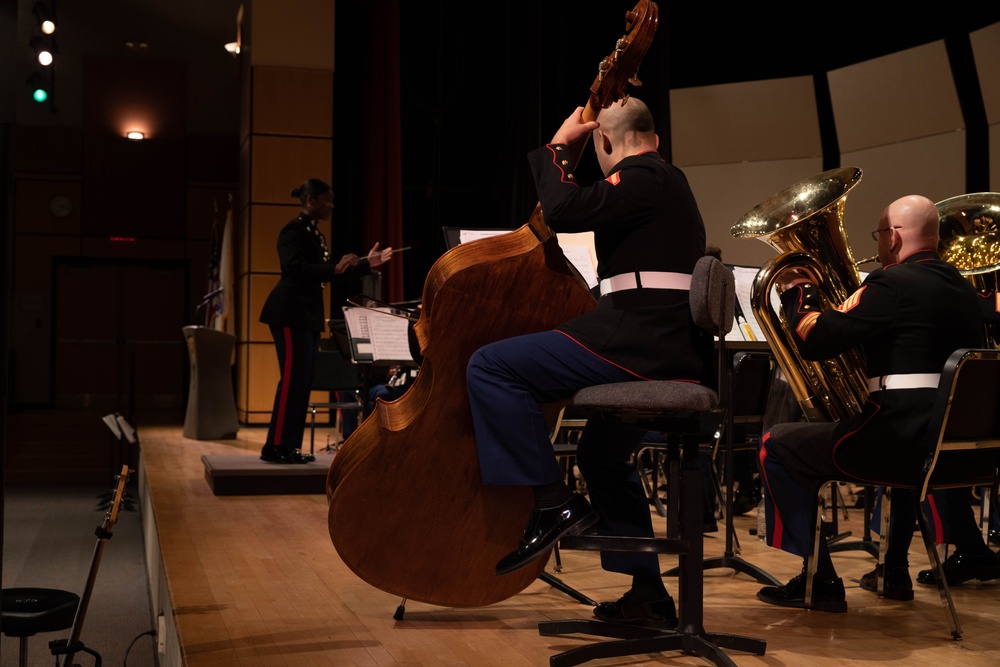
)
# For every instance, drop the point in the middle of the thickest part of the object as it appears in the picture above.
(657, 396)
(27, 611)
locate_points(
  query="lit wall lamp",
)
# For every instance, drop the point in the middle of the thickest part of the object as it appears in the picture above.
(233, 48)
(135, 135)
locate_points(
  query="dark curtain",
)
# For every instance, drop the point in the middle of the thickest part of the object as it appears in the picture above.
(434, 113)
(383, 209)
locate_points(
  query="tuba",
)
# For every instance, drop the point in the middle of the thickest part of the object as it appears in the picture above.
(970, 241)
(805, 223)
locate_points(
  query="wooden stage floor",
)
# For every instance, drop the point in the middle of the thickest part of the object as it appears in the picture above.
(256, 581)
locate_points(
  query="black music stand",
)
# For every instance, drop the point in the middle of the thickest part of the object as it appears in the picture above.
(126, 436)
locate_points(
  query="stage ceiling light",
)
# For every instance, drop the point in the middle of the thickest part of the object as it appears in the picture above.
(44, 48)
(45, 15)
(40, 86)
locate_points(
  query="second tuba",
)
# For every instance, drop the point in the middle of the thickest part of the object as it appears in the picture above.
(970, 241)
(805, 223)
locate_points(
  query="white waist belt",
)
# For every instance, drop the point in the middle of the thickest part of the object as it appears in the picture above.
(645, 280)
(905, 381)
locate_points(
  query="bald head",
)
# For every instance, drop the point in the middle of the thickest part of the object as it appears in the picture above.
(913, 222)
(626, 129)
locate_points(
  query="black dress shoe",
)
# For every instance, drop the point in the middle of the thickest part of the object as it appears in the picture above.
(545, 528)
(630, 609)
(828, 594)
(744, 501)
(282, 455)
(897, 584)
(959, 568)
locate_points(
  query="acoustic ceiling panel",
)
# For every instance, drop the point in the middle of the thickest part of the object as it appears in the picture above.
(895, 98)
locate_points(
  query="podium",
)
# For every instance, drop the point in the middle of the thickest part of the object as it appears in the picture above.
(211, 408)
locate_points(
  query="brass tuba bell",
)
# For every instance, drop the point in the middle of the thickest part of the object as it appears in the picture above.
(805, 223)
(970, 241)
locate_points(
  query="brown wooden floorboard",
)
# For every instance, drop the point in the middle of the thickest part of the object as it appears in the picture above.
(255, 581)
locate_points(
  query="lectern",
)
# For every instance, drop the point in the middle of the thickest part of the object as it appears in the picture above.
(211, 408)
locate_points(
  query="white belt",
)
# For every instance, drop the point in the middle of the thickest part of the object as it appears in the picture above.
(646, 279)
(905, 381)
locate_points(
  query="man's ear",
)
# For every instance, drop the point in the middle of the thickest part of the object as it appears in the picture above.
(897, 241)
(605, 143)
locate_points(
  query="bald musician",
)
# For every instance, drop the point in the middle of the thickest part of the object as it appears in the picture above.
(648, 234)
(907, 317)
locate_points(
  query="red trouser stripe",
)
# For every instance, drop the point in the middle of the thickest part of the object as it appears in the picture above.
(286, 378)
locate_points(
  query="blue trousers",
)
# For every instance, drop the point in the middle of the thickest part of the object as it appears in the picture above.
(507, 380)
(297, 349)
(795, 459)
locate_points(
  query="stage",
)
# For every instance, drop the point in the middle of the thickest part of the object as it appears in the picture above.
(255, 580)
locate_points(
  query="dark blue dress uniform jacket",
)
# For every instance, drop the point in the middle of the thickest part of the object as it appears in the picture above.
(297, 299)
(907, 318)
(644, 218)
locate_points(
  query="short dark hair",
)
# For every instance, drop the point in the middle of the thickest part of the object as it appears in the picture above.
(311, 187)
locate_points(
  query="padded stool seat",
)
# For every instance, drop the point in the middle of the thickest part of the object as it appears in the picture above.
(28, 611)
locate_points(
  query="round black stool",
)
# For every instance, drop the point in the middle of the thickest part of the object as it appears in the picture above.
(27, 611)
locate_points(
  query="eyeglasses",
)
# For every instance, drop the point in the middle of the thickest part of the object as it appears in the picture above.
(879, 231)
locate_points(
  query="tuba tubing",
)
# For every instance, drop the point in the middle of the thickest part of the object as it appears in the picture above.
(804, 223)
(827, 390)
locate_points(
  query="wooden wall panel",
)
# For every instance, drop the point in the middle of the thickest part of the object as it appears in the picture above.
(263, 371)
(49, 149)
(276, 88)
(267, 223)
(261, 285)
(280, 164)
(140, 248)
(32, 213)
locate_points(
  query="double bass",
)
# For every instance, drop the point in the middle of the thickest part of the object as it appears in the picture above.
(408, 512)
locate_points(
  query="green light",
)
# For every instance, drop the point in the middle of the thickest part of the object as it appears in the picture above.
(40, 95)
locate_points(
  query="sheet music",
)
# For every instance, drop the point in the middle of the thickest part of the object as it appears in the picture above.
(377, 336)
(579, 256)
(580, 251)
(466, 235)
(745, 276)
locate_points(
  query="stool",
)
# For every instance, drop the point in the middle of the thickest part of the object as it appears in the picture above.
(27, 611)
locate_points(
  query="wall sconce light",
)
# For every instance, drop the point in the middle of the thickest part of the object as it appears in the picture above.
(233, 48)
(135, 135)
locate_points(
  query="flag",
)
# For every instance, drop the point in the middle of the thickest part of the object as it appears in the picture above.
(227, 278)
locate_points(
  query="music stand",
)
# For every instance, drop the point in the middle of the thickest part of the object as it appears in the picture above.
(126, 435)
